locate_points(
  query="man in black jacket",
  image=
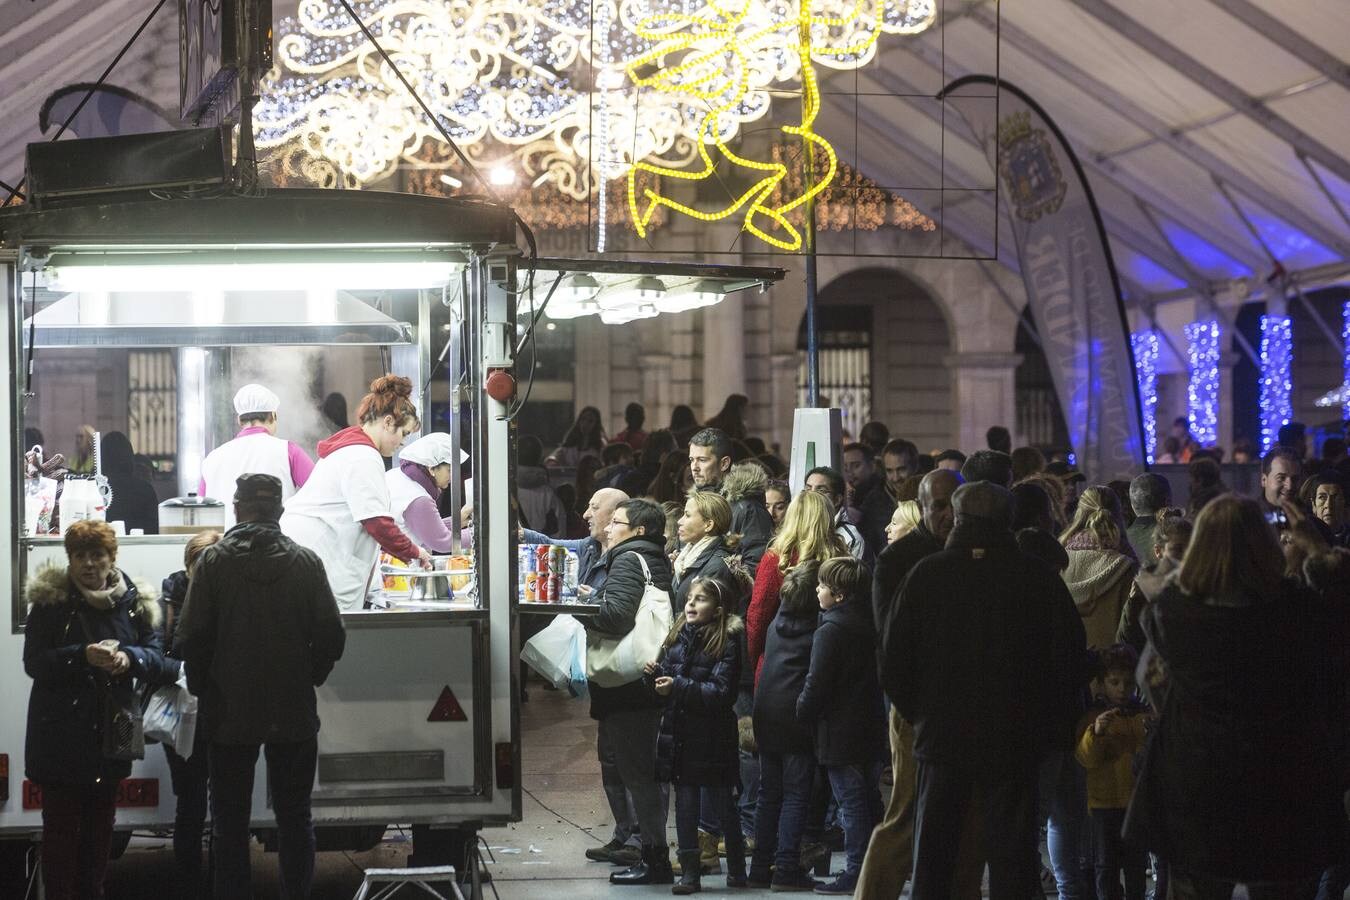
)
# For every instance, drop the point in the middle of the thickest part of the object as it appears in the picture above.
(259, 631)
(710, 463)
(630, 714)
(984, 658)
(890, 853)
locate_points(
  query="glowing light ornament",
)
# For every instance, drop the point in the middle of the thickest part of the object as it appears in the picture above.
(724, 56)
(1345, 338)
(1145, 347)
(1277, 359)
(1202, 365)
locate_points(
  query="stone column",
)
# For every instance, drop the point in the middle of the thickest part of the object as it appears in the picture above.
(723, 353)
(593, 375)
(656, 388)
(983, 394)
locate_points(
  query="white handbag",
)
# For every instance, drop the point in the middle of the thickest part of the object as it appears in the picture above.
(611, 661)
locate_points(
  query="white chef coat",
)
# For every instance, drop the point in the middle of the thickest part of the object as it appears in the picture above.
(325, 515)
(258, 453)
(402, 492)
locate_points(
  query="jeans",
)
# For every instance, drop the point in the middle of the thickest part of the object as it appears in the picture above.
(1187, 886)
(689, 800)
(1006, 804)
(856, 790)
(77, 827)
(190, 782)
(290, 780)
(744, 706)
(780, 815)
(1063, 794)
(630, 737)
(1115, 857)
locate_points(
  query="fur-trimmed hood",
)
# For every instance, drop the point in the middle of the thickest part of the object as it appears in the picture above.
(745, 480)
(51, 585)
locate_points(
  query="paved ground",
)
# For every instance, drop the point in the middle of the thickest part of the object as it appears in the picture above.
(540, 858)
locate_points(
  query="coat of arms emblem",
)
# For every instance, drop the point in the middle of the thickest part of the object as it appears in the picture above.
(1029, 168)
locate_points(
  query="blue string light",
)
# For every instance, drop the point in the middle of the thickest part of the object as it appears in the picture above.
(1145, 347)
(1277, 359)
(1202, 364)
(1345, 337)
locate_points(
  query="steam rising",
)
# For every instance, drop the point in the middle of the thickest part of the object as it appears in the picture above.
(290, 373)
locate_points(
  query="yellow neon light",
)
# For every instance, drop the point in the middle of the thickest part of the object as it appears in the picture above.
(710, 36)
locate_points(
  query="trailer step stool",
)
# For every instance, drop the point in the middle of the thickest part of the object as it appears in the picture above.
(392, 879)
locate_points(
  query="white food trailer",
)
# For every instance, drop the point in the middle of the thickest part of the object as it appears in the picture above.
(420, 722)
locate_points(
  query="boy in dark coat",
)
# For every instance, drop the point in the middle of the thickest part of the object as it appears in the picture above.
(842, 701)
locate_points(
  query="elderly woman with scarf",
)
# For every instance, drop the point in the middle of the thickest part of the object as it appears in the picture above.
(424, 470)
(90, 637)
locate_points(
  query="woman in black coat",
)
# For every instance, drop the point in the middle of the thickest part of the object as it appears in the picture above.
(629, 715)
(89, 633)
(1243, 783)
(786, 748)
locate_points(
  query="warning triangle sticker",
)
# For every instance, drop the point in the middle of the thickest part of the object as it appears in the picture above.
(447, 708)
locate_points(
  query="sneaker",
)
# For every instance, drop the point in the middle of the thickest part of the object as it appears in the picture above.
(842, 886)
(605, 852)
(798, 882)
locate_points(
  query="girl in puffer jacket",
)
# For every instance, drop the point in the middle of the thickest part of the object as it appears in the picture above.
(698, 675)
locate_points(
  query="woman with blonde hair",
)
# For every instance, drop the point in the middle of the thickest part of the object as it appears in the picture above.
(907, 516)
(1101, 563)
(1252, 686)
(808, 532)
(705, 547)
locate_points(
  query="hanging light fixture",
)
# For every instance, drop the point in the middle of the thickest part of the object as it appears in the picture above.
(573, 298)
(697, 296)
(646, 291)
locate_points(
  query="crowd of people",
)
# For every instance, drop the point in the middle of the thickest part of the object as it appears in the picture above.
(1001, 645)
(995, 642)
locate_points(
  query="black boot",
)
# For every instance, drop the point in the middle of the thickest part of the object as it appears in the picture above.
(689, 874)
(653, 868)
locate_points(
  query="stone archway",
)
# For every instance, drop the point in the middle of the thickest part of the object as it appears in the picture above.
(906, 340)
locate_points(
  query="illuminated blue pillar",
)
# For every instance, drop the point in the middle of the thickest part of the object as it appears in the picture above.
(1277, 360)
(1145, 347)
(1345, 337)
(1202, 365)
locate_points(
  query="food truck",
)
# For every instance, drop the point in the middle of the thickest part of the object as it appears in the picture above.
(420, 718)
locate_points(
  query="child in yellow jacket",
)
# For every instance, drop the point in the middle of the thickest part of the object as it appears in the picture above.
(1110, 736)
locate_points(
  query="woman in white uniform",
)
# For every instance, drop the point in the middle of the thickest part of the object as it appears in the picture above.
(424, 470)
(343, 512)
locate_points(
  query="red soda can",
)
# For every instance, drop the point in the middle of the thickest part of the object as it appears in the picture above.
(555, 588)
(544, 588)
(543, 553)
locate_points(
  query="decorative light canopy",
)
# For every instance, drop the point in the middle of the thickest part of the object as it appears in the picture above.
(1145, 347)
(576, 94)
(1202, 365)
(1277, 360)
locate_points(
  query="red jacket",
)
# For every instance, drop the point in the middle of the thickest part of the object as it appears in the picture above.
(763, 607)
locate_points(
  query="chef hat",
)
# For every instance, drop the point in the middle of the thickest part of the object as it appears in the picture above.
(254, 398)
(430, 450)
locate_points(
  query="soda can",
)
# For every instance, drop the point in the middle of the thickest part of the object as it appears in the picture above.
(557, 564)
(544, 588)
(555, 589)
(531, 581)
(543, 552)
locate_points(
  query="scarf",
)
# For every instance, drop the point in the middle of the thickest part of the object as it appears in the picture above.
(103, 599)
(419, 474)
(691, 552)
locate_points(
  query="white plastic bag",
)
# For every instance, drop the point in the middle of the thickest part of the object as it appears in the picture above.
(611, 662)
(551, 651)
(171, 716)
